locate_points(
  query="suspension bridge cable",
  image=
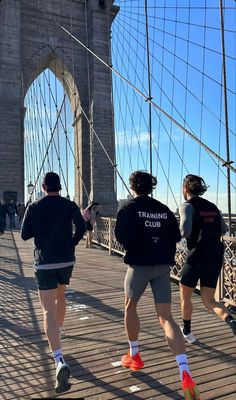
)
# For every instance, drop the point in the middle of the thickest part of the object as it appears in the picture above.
(130, 113)
(193, 136)
(160, 122)
(226, 114)
(105, 151)
(181, 158)
(181, 83)
(149, 86)
(179, 58)
(180, 7)
(176, 21)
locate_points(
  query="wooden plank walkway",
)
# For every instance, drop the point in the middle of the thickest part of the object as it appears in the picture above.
(95, 337)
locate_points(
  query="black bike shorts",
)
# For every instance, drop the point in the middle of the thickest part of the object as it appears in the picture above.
(47, 279)
(207, 272)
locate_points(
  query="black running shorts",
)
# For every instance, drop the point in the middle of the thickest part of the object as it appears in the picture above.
(206, 270)
(47, 279)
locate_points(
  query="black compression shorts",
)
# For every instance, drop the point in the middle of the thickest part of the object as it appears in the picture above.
(206, 270)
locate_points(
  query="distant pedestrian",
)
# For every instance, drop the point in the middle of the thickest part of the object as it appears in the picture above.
(12, 212)
(21, 211)
(1, 219)
(49, 221)
(3, 213)
(90, 215)
(202, 225)
(148, 230)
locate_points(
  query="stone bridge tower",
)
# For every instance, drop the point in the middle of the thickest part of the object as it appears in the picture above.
(31, 40)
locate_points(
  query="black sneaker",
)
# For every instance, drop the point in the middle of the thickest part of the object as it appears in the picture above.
(62, 377)
(232, 325)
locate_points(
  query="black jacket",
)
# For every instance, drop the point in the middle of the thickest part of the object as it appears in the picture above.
(49, 221)
(148, 230)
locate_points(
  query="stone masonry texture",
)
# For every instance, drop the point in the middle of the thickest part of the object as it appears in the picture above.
(31, 41)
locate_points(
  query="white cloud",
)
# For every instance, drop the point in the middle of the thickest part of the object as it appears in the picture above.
(124, 138)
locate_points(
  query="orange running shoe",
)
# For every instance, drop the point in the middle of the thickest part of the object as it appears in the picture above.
(135, 363)
(189, 387)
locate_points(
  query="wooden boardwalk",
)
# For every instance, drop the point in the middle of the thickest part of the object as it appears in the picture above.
(95, 338)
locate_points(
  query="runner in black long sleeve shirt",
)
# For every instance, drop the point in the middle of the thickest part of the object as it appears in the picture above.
(202, 224)
(50, 222)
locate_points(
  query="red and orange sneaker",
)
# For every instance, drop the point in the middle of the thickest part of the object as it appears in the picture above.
(135, 363)
(189, 387)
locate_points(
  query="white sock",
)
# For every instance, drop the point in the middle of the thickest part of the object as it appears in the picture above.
(182, 362)
(58, 357)
(133, 347)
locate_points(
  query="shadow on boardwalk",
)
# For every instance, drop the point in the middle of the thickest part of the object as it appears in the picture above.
(95, 338)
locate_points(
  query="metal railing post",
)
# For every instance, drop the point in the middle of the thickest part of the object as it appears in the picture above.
(110, 236)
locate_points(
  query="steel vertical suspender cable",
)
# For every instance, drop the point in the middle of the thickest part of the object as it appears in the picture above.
(219, 145)
(112, 98)
(149, 88)
(50, 113)
(53, 139)
(44, 128)
(64, 114)
(38, 123)
(202, 94)
(172, 111)
(226, 114)
(66, 145)
(91, 140)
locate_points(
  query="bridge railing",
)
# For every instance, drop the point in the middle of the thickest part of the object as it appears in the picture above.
(226, 288)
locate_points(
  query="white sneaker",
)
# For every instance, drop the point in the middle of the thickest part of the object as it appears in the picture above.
(189, 337)
(62, 377)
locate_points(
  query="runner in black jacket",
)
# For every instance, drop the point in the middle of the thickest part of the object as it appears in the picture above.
(49, 221)
(149, 231)
(202, 225)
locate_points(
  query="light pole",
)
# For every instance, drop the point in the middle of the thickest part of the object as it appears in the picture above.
(30, 187)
